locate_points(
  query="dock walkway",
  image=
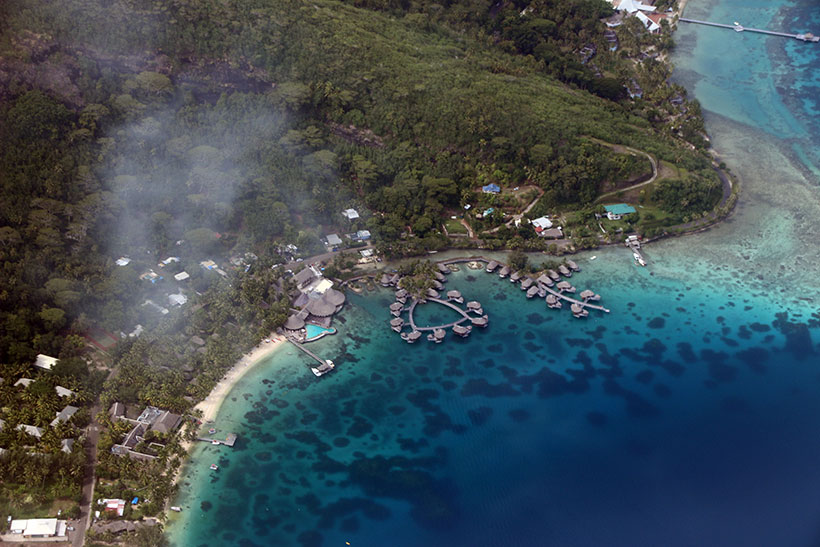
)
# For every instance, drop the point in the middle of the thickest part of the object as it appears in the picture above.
(465, 316)
(303, 348)
(808, 37)
(230, 440)
(571, 300)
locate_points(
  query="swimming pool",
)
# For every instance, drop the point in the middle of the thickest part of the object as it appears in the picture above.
(315, 331)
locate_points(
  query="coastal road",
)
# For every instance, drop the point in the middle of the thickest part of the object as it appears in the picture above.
(644, 183)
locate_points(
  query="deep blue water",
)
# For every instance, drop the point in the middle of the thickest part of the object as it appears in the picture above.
(686, 416)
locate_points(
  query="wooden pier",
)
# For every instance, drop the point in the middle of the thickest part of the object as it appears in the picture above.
(230, 440)
(571, 300)
(325, 365)
(807, 37)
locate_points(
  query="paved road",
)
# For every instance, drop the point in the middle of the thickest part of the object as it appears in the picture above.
(92, 438)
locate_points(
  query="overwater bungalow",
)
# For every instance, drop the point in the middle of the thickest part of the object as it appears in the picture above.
(542, 292)
(482, 321)
(554, 302)
(564, 286)
(438, 285)
(504, 272)
(401, 295)
(526, 283)
(385, 280)
(443, 268)
(563, 270)
(544, 279)
(516, 277)
(532, 291)
(455, 296)
(433, 293)
(396, 308)
(462, 331)
(578, 311)
(436, 336)
(554, 275)
(491, 266)
(396, 324)
(573, 266)
(589, 295)
(440, 277)
(475, 307)
(411, 337)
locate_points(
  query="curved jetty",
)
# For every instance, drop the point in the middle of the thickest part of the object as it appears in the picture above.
(504, 272)
(491, 266)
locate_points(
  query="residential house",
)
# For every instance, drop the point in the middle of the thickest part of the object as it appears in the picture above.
(64, 415)
(491, 189)
(45, 362)
(350, 214)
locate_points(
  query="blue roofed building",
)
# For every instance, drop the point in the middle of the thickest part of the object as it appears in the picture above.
(617, 210)
(491, 189)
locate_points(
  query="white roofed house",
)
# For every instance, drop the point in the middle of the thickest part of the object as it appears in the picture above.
(45, 362)
(333, 240)
(64, 415)
(350, 214)
(177, 299)
(650, 25)
(31, 430)
(64, 392)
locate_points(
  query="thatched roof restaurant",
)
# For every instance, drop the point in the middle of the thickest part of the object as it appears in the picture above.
(532, 291)
(334, 298)
(462, 331)
(573, 266)
(321, 308)
(491, 266)
(563, 270)
(505, 271)
(294, 323)
(553, 301)
(526, 283)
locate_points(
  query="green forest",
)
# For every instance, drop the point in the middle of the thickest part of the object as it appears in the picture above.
(204, 129)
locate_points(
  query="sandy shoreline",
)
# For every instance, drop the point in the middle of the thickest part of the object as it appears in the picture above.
(211, 404)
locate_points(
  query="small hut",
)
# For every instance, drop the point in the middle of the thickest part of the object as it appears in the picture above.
(553, 302)
(475, 307)
(554, 275)
(545, 280)
(573, 266)
(462, 331)
(516, 277)
(396, 308)
(587, 295)
(401, 295)
(436, 336)
(440, 277)
(505, 271)
(482, 321)
(578, 311)
(455, 296)
(491, 266)
(433, 293)
(411, 337)
(563, 270)
(443, 268)
(385, 280)
(396, 324)
(438, 285)
(294, 323)
(564, 286)
(532, 291)
(526, 283)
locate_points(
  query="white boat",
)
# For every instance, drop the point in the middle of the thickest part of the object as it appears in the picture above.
(639, 259)
(593, 257)
(214, 467)
(176, 508)
(215, 442)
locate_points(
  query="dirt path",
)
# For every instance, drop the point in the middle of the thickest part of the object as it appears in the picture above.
(644, 183)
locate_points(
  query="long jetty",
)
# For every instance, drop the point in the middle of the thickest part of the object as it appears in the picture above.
(464, 315)
(571, 300)
(303, 348)
(807, 37)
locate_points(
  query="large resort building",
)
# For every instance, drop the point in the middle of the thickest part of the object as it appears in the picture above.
(315, 304)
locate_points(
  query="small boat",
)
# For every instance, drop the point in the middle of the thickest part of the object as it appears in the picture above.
(176, 508)
(215, 442)
(639, 259)
(214, 467)
(593, 257)
(211, 431)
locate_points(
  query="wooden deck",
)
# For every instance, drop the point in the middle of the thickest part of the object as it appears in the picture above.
(465, 316)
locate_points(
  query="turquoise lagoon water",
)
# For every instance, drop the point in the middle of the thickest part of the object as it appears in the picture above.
(687, 416)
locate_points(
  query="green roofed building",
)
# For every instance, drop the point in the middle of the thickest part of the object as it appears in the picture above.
(619, 209)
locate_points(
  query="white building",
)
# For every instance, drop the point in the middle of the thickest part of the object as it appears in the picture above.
(38, 528)
(123, 261)
(630, 6)
(181, 276)
(350, 214)
(45, 362)
(541, 223)
(63, 392)
(333, 240)
(177, 299)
